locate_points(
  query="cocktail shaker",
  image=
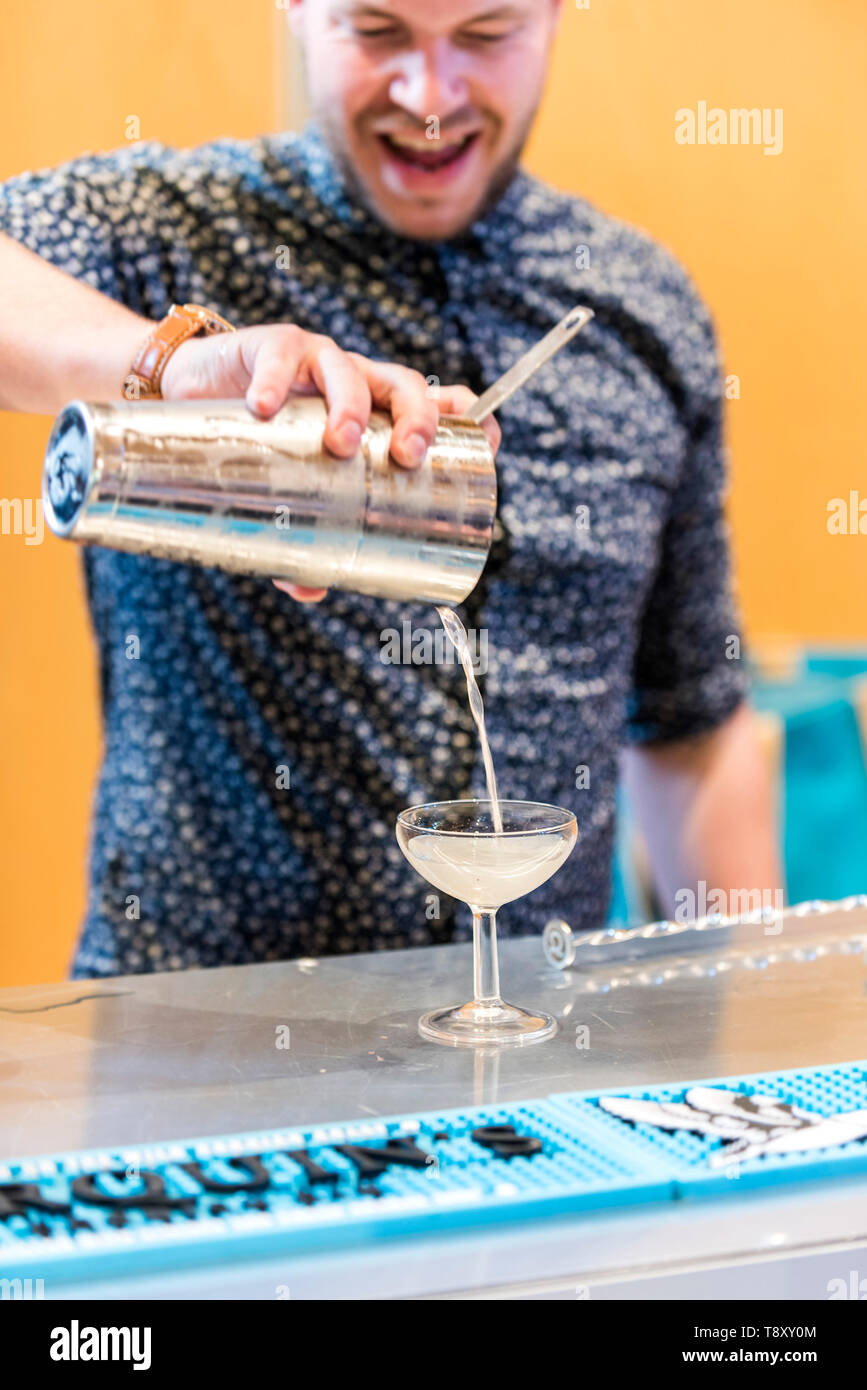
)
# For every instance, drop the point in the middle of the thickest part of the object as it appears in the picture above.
(208, 483)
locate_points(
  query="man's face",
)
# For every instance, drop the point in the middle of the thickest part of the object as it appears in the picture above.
(426, 103)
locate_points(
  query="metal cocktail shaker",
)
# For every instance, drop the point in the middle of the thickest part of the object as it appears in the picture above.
(207, 483)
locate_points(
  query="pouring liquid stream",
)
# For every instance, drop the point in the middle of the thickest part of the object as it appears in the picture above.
(496, 395)
(456, 632)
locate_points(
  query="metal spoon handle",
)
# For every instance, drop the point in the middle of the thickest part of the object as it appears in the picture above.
(532, 360)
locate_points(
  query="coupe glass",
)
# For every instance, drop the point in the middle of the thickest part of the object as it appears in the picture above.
(454, 846)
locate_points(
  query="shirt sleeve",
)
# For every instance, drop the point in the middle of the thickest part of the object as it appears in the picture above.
(97, 217)
(689, 673)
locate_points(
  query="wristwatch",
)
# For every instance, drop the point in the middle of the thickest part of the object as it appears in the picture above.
(183, 321)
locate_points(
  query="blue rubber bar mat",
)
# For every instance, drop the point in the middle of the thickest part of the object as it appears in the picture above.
(82, 1215)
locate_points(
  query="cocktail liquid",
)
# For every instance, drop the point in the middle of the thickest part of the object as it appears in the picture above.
(457, 633)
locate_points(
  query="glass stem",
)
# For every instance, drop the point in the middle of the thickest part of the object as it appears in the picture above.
(486, 969)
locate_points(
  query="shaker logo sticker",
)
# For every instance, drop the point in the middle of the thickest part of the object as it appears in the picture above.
(751, 1126)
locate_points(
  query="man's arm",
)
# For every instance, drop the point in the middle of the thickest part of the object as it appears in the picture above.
(59, 338)
(705, 806)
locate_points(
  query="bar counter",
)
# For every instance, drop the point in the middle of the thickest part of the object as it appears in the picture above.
(158, 1057)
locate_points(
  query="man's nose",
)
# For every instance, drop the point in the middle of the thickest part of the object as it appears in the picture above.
(430, 81)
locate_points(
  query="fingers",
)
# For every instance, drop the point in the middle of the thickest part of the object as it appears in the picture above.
(346, 392)
(456, 400)
(285, 358)
(279, 358)
(299, 592)
(405, 394)
(272, 356)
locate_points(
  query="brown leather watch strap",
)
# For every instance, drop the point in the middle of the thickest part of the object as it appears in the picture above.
(183, 321)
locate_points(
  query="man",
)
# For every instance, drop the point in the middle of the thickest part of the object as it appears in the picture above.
(417, 254)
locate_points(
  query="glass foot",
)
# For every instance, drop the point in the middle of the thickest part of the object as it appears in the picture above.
(491, 1024)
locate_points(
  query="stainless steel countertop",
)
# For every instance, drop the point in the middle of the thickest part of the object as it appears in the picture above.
(95, 1063)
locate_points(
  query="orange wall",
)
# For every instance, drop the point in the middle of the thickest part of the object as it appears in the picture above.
(776, 244)
(769, 240)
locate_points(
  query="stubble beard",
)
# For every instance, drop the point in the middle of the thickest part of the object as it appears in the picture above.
(497, 183)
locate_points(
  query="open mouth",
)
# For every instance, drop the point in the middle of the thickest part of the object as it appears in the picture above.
(418, 152)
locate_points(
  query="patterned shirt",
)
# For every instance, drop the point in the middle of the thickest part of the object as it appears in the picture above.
(257, 751)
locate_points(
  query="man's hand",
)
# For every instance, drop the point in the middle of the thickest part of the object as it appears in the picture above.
(264, 364)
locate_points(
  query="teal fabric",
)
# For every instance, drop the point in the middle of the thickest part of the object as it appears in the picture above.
(792, 699)
(825, 804)
(841, 664)
(627, 907)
